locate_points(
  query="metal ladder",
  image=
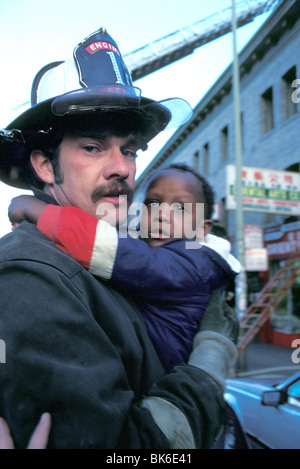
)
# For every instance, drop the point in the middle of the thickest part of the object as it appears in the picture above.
(183, 42)
(271, 295)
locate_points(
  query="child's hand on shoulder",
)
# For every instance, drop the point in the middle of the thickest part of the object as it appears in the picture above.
(25, 207)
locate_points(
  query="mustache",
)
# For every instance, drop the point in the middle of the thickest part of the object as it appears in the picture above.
(114, 187)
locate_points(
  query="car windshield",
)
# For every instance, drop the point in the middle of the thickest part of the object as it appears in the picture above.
(294, 394)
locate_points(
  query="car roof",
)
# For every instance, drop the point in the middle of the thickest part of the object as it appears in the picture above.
(269, 377)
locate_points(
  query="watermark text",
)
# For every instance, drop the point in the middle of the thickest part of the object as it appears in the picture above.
(296, 353)
(158, 221)
(2, 351)
(295, 97)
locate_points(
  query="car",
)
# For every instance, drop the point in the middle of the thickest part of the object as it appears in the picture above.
(263, 410)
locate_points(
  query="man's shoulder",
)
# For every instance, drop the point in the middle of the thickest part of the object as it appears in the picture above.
(26, 243)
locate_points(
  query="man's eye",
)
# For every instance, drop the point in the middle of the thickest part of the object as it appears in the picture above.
(90, 148)
(130, 153)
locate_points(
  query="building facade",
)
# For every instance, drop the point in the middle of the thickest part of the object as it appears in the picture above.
(270, 128)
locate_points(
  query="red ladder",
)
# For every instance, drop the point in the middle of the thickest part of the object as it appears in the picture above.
(271, 295)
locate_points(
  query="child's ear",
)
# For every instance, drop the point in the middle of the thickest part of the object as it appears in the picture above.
(207, 226)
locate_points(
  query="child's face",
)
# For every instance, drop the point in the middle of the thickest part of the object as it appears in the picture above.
(177, 194)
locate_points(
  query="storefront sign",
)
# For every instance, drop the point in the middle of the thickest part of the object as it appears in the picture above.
(256, 260)
(265, 190)
(254, 236)
(284, 241)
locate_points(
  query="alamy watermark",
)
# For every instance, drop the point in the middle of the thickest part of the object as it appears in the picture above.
(296, 353)
(295, 97)
(2, 351)
(164, 221)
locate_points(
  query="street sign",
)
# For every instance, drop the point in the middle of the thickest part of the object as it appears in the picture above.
(265, 190)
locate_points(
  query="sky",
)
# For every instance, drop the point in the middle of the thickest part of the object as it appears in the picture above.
(34, 33)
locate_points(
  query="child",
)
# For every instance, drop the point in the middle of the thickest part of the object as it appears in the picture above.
(170, 284)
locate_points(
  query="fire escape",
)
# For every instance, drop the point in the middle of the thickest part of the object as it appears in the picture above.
(270, 297)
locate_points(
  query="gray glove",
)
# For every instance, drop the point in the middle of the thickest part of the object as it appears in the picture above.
(214, 347)
(214, 352)
(219, 317)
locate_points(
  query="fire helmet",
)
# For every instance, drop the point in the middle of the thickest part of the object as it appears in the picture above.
(94, 82)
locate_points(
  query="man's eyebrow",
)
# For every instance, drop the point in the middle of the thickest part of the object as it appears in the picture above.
(132, 140)
(129, 140)
(94, 135)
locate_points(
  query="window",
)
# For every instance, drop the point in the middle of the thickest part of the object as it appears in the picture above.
(224, 214)
(289, 108)
(205, 162)
(267, 112)
(224, 144)
(196, 161)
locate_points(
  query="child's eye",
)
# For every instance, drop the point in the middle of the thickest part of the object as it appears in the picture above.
(179, 207)
(151, 203)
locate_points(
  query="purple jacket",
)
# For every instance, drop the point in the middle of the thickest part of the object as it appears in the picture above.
(171, 286)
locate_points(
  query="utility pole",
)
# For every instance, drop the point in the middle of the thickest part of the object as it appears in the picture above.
(241, 279)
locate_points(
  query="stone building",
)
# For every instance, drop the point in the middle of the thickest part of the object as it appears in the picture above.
(270, 123)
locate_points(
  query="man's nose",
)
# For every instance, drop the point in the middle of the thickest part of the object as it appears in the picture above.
(117, 165)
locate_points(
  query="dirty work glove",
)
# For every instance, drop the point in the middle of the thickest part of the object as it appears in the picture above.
(214, 352)
(219, 317)
(214, 346)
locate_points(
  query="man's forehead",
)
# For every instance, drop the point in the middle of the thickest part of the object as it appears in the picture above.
(104, 134)
(104, 124)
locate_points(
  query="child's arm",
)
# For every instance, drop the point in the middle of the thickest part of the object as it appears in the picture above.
(71, 229)
(57, 228)
(129, 263)
(25, 207)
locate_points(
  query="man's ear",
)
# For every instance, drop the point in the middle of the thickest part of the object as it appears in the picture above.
(207, 226)
(42, 166)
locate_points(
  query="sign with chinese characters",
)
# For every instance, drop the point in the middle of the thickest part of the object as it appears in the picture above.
(265, 190)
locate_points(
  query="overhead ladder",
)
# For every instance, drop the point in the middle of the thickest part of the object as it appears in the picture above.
(271, 295)
(181, 43)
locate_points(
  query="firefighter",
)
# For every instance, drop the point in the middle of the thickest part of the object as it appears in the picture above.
(76, 348)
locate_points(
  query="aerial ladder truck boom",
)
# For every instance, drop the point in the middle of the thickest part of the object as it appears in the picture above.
(179, 44)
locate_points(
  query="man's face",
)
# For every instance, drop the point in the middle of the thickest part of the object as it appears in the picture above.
(96, 174)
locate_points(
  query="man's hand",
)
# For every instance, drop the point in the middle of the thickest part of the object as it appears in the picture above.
(214, 346)
(38, 440)
(219, 317)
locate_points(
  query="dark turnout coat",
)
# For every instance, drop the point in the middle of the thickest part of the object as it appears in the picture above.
(78, 349)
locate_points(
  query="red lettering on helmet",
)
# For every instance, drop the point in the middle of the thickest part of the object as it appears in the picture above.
(100, 45)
